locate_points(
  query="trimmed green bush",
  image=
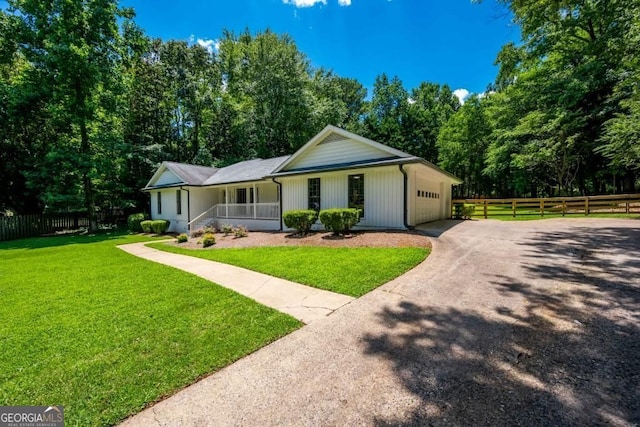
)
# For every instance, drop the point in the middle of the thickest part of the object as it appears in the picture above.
(340, 221)
(160, 226)
(134, 220)
(182, 238)
(146, 225)
(300, 220)
(208, 240)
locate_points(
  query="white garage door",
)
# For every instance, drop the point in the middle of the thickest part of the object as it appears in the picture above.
(428, 199)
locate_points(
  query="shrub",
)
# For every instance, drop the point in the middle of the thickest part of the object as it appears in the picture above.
(300, 220)
(182, 238)
(240, 231)
(146, 225)
(197, 233)
(134, 220)
(209, 229)
(469, 209)
(340, 221)
(463, 210)
(208, 240)
(226, 229)
(160, 226)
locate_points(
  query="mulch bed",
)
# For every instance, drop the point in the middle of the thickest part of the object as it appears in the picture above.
(386, 238)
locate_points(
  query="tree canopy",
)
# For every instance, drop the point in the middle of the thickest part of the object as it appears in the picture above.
(89, 105)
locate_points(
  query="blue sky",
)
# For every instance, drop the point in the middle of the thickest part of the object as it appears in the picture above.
(442, 41)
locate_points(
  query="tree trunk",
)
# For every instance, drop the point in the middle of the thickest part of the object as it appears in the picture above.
(89, 201)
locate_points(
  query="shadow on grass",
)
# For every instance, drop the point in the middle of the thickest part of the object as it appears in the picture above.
(569, 354)
(62, 240)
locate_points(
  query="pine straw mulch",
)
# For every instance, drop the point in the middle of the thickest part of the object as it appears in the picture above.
(386, 238)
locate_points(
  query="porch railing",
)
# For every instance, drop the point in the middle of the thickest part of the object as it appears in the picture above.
(248, 211)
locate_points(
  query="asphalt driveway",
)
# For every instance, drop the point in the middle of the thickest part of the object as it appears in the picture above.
(506, 323)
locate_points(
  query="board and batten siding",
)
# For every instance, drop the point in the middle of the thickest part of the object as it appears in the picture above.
(383, 194)
(424, 208)
(337, 152)
(178, 223)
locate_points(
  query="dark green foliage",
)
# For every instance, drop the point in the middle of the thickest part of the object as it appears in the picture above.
(146, 226)
(134, 220)
(182, 238)
(160, 226)
(339, 220)
(300, 220)
(208, 240)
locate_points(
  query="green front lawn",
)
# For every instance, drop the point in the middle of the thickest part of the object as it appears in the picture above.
(88, 326)
(349, 271)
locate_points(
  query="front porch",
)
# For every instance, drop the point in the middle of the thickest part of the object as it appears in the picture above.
(254, 205)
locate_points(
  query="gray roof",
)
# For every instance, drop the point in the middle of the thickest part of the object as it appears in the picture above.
(250, 170)
(191, 174)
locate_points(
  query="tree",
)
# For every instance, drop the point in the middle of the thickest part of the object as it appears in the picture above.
(74, 47)
(462, 144)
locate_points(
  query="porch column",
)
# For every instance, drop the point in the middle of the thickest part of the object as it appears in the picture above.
(226, 201)
(255, 201)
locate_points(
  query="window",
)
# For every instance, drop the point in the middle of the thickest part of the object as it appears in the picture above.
(159, 203)
(178, 202)
(241, 195)
(356, 193)
(251, 195)
(314, 193)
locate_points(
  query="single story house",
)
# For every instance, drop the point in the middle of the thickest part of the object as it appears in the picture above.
(335, 169)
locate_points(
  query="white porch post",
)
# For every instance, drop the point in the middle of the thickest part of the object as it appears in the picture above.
(226, 201)
(255, 200)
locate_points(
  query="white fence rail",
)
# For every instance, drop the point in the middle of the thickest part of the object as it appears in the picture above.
(246, 211)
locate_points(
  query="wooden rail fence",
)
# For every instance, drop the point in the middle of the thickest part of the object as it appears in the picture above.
(553, 206)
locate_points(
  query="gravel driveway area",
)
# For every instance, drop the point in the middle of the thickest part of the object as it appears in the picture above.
(505, 323)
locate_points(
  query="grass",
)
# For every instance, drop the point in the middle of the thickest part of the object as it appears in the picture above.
(88, 326)
(349, 271)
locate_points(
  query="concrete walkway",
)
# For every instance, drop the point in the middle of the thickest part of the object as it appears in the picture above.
(505, 323)
(302, 302)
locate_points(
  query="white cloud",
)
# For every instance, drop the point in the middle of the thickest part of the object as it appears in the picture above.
(462, 94)
(304, 3)
(411, 101)
(210, 45)
(310, 3)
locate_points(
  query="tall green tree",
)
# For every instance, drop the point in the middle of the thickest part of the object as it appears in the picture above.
(462, 145)
(74, 47)
(562, 81)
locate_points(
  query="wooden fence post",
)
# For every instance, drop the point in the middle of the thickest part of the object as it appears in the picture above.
(541, 207)
(586, 206)
(513, 207)
(485, 208)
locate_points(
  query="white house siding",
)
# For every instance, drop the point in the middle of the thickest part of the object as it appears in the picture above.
(167, 178)
(178, 223)
(429, 195)
(337, 152)
(202, 199)
(383, 197)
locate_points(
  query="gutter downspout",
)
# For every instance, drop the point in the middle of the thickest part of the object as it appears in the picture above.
(279, 184)
(188, 208)
(406, 208)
